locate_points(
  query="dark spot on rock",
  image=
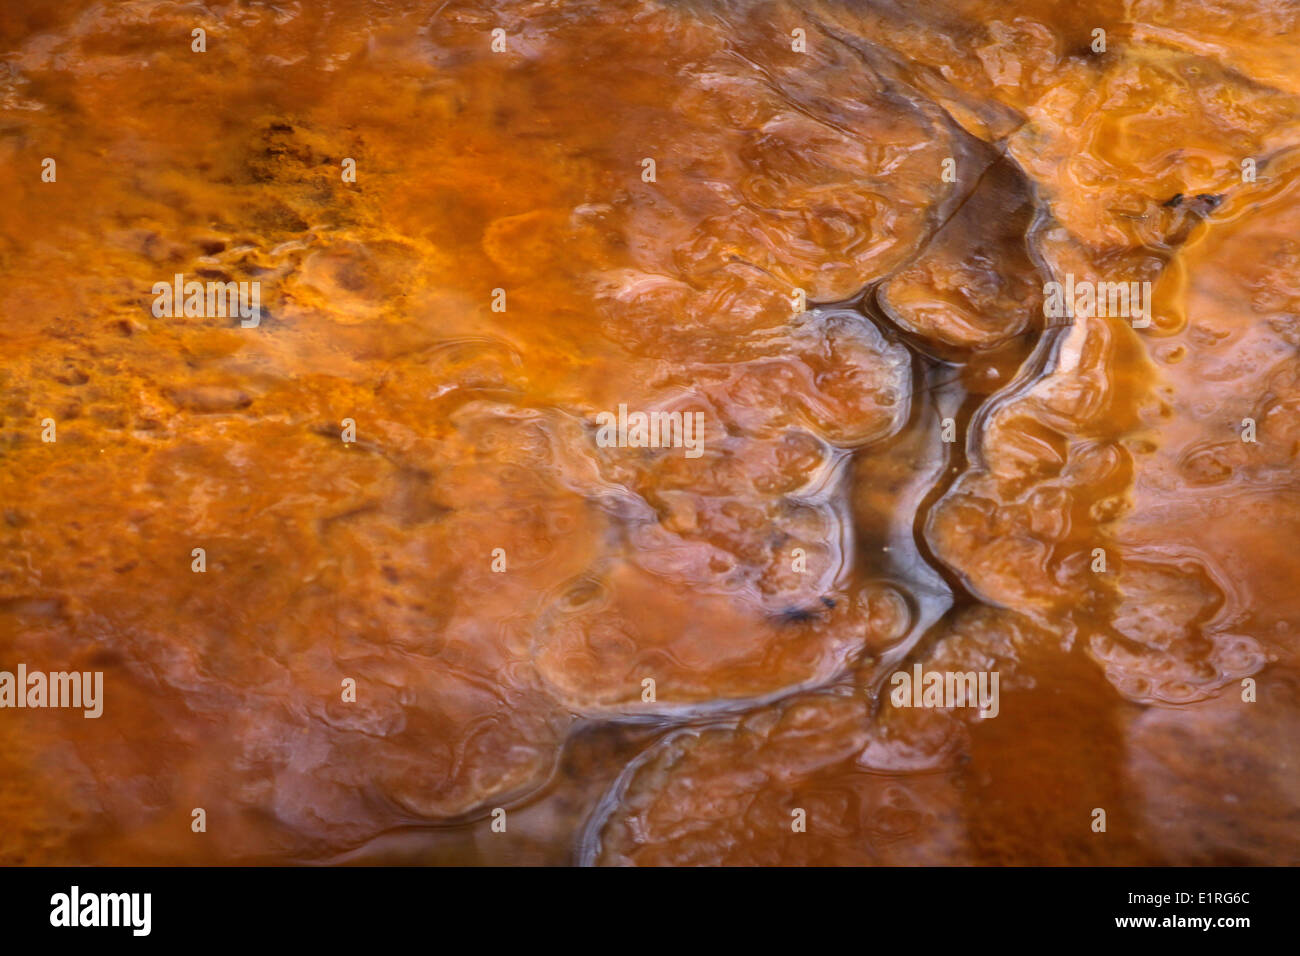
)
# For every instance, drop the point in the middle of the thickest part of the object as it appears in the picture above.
(796, 615)
(72, 376)
(29, 606)
(104, 658)
(209, 398)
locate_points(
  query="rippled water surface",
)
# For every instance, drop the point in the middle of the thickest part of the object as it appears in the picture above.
(803, 271)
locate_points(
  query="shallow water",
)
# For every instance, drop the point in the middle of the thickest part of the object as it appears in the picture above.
(904, 459)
